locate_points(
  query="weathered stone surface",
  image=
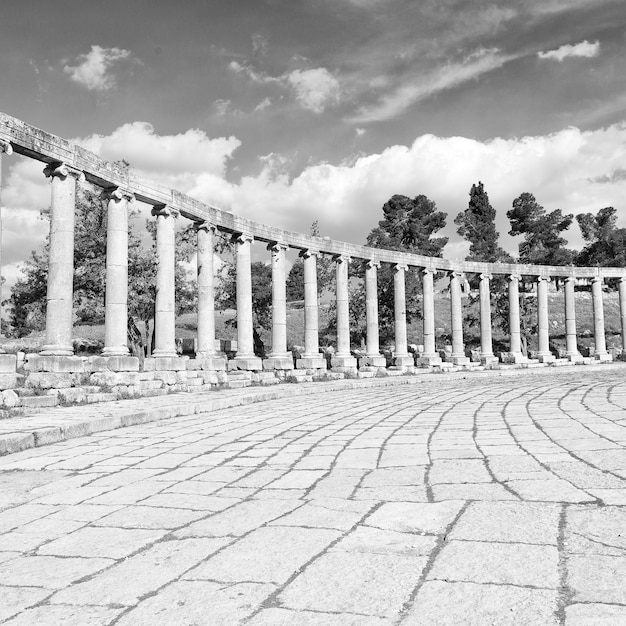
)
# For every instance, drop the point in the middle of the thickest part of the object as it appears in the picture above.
(416, 518)
(66, 615)
(595, 615)
(8, 363)
(15, 599)
(113, 363)
(597, 578)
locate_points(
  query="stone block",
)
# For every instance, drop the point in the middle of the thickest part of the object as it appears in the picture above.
(489, 359)
(512, 358)
(168, 378)
(207, 363)
(9, 399)
(38, 402)
(343, 362)
(72, 395)
(62, 364)
(403, 361)
(603, 357)
(9, 381)
(278, 363)
(49, 380)
(111, 379)
(249, 364)
(546, 358)
(8, 363)
(427, 361)
(373, 361)
(100, 397)
(194, 382)
(311, 363)
(270, 381)
(209, 377)
(113, 363)
(144, 385)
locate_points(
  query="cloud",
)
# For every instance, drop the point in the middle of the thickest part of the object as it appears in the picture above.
(260, 44)
(582, 49)
(264, 104)
(314, 89)
(221, 107)
(422, 87)
(94, 69)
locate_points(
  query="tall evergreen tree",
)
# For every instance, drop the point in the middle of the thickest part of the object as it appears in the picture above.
(477, 224)
(606, 243)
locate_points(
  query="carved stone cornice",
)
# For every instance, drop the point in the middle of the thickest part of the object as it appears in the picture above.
(5, 146)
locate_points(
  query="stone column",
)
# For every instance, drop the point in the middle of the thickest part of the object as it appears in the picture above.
(245, 358)
(515, 341)
(543, 331)
(164, 309)
(206, 354)
(116, 295)
(456, 320)
(622, 310)
(342, 358)
(571, 343)
(279, 358)
(401, 355)
(5, 148)
(430, 355)
(311, 359)
(486, 346)
(374, 358)
(59, 299)
(598, 320)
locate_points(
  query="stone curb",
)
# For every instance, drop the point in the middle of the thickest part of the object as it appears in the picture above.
(63, 423)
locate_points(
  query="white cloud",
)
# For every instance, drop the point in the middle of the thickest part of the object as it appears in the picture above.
(221, 107)
(582, 49)
(447, 77)
(264, 104)
(360, 131)
(260, 44)
(94, 69)
(315, 89)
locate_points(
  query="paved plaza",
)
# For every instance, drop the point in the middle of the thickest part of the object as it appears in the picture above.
(450, 500)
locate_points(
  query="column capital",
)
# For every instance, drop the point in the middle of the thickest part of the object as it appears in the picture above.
(540, 279)
(400, 266)
(276, 246)
(207, 226)
(62, 170)
(622, 279)
(241, 238)
(5, 146)
(597, 279)
(455, 274)
(308, 252)
(369, 264)
(514, 277)
(341, 258)
(118, 194)
(165, 210)
(485, 276)
(428, 270)
(573, 279)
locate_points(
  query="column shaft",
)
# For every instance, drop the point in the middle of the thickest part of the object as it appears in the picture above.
(6, 148)
(59, 299)
(486, 346)
(515, 341)
(279, 302)
(164, 309)
(428, 312)
(371, 312)
(401, 354)
(311, 357)
(622, 309)
(598, 317)
(456, 319)
(571, 343)
(206, 291)
(543, 330)
(245, 329)
(342, 302)
(116, 296)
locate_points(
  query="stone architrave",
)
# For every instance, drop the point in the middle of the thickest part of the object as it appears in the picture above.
(456, 320)
(206, 355)
(430, 355)
(571, 341)
(59, 298)
(373, 358)
(164, 313)
(515, 336)
(543, 331)
(5, 148)
(279, 358)
(402, 358)
(342, 357)
(600, 352)
(311, 359)
(622, 310)
(245, 358)
(116, 294)
(486, 346)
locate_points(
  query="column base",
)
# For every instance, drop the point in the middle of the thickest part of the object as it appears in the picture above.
(343, 361)
(546, 358)
(164, 354)
(512, 358)
(209, 363)
(458, 359)
(115, 351)
(603, 357)
(57, 350)
(284, 362)
(428, 360)
(404, 360)
(373, 361)
(311, 363)
(252, 363)
(489, 359)
(575, 357)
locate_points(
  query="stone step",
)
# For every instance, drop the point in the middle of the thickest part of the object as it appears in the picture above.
(37, 402)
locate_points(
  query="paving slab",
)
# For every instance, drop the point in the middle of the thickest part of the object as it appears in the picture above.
(487, 500)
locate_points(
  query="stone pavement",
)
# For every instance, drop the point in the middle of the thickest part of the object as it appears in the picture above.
(476, 500)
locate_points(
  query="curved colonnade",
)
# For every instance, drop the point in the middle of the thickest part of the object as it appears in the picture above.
(68, 164)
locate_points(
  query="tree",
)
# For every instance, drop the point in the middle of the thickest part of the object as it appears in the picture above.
(28, 296)
(606, 245)
(408, 225)
(477, 224)
(543, 243)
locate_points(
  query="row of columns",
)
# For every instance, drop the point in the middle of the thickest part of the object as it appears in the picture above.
(60, 278)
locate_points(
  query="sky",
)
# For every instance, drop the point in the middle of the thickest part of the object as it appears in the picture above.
(290, 111)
